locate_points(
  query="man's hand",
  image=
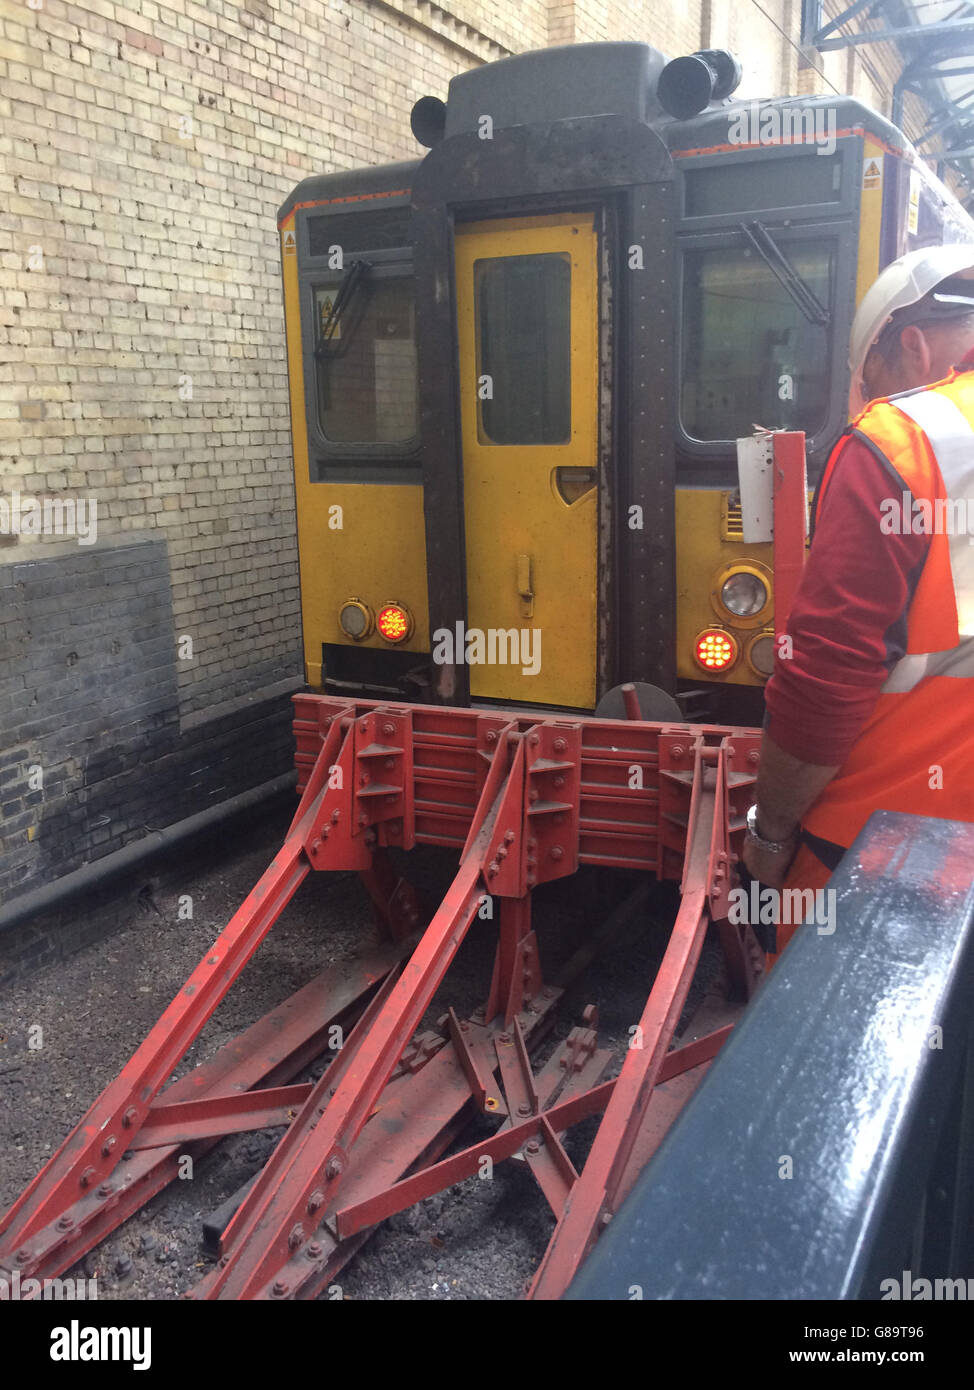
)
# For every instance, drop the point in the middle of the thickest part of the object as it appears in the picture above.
(786, 787)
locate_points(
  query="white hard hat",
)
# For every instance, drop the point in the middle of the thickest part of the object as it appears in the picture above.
(904, 282)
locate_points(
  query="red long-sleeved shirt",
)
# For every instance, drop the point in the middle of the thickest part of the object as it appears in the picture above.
(848, 623)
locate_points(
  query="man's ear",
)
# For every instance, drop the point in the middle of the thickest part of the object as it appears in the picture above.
(915, 352)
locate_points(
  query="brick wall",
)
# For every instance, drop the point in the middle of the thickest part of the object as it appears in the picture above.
(144, 149)
(88, 683)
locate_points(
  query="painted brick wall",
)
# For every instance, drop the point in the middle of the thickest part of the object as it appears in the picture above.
(144, 149)
(86, 640)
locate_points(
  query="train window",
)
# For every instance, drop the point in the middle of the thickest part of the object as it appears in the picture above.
(750, 185)
(376, 229)
(523, 327)
(366, 362)
(751, 356)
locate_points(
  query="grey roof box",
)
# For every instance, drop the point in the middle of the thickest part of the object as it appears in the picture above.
(554, 84)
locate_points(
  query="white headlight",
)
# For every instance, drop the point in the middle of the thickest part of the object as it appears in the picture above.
(743, 594)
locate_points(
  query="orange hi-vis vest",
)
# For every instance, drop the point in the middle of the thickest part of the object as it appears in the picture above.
(916, 751)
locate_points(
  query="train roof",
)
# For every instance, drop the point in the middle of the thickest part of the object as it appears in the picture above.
(575, 81)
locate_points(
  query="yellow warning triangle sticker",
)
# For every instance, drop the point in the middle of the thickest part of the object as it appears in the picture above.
(290, 246)
(871, 170)
(327, 305)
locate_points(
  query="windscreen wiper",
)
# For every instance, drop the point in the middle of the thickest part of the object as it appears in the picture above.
(786, 274)
(355, 273)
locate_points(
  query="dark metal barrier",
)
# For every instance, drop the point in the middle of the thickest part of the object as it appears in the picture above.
(828, 1152)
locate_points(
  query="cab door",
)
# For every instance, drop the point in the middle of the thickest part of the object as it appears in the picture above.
(528, 333)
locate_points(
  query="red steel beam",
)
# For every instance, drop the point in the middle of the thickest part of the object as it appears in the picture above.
(692, 1054)
(184, 1122)
(593, 1196)
(790, 490)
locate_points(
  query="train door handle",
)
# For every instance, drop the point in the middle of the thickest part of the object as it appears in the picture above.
(525, 585)
(572, 484)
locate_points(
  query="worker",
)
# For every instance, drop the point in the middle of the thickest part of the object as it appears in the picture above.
(874, 708)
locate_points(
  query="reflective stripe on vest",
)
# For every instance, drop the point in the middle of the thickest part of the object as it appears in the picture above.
(911, 670)
(951, 440)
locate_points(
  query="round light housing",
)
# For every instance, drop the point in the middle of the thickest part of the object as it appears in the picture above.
(394, 622)
(715, 650)
(760, 654)
(356, 619)
(743, 594)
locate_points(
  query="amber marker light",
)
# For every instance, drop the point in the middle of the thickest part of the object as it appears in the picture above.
(394, 623)
(715, 649)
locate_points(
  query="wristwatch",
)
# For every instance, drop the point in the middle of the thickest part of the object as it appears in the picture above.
(770, 846)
